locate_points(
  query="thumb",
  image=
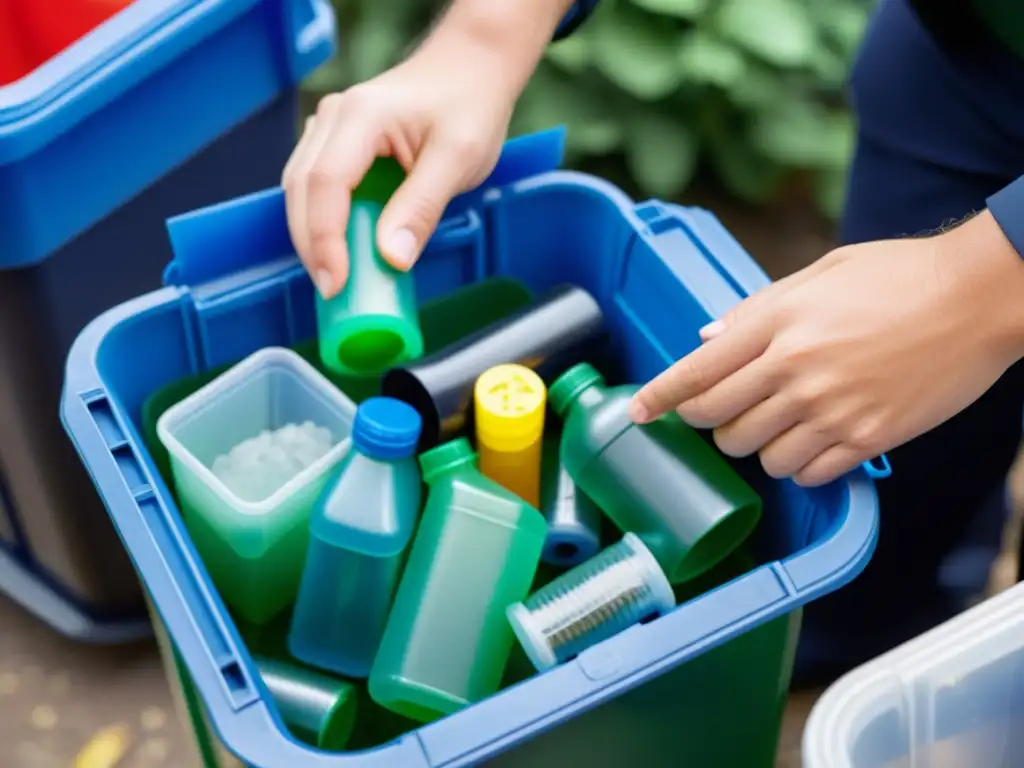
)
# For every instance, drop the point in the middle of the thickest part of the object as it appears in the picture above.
(412, 213)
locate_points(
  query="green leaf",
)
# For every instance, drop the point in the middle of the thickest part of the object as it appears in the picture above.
(708, 59)
(760, 88)
(571, 54)
(377, 40)
(330, 76)
(778, 31)
(802, 134)
(636, 51)
(748, 175)
(661, 153)
(830, 68)
(842, 22)
(592, 123)
(681, 9)
(830, 192)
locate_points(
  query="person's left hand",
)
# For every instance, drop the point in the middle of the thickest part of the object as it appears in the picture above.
(860, 352)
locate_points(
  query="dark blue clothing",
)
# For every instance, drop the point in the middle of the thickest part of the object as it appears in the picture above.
(940, 131)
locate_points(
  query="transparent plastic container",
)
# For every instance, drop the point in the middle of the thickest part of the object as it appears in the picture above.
(476, 552)
(360, 529)
(951, 698)
(254, 549)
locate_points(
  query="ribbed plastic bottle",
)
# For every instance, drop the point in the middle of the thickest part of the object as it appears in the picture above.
(661, 481)
(476, 552)
(372, 324)
(359, 532)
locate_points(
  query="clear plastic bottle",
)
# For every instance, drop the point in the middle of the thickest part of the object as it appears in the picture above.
(360, 529)
(476, 552)
(661, 480)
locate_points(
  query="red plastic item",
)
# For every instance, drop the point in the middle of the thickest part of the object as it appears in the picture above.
(15, 61)
(33, 31)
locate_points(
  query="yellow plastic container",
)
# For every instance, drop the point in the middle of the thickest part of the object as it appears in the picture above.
(510, 404)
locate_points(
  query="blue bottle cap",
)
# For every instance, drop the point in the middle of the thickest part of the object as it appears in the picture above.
(385, 428)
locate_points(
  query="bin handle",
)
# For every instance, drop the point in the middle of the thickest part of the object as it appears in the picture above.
(734, 265)
(311, 30)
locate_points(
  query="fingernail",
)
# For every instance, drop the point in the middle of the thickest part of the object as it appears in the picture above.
(400, 247)
(712, 329)
(638, 412)
(324, 283)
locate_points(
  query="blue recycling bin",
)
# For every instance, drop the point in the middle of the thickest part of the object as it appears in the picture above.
(167, 106)
(704, 685)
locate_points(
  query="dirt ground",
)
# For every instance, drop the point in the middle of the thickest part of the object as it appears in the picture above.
(56, 696)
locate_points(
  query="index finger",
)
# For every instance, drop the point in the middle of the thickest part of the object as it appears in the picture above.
(700, 370)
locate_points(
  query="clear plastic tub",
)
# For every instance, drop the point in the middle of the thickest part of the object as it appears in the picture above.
(253, 545)
(951, 698)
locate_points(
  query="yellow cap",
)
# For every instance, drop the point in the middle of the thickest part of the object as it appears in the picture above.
(510, 404)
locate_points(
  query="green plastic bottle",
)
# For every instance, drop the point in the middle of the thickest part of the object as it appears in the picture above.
(447, 641)
(372, 324)
(661, 481)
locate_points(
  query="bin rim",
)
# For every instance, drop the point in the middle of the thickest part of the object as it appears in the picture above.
(223, 668)
(118, 53)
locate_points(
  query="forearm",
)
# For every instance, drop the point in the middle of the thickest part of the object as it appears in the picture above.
(507, 39)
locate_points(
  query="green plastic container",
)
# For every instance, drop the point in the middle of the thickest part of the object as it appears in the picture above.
(318, 709)
(661, 481)
(447, 641)
(372, 324)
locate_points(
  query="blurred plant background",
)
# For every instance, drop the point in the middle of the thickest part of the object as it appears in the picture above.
(747, 93)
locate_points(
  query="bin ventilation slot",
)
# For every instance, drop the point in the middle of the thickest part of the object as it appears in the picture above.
(234, 678)
(103, 415)
(222, 653)
(172, 548)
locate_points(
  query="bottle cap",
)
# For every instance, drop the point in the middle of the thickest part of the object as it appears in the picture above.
(380, 182)
(385, 428)
(510, 404)
(567, 387)
(445, 458)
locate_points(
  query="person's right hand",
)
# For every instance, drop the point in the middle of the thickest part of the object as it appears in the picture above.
(442, 114)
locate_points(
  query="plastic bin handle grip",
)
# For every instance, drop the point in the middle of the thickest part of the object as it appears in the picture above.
(216, 241)
(311, 31)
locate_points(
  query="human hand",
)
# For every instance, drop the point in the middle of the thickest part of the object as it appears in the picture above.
(867, 348)
(442, 119)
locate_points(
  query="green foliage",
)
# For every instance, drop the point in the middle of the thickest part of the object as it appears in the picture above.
(753, 89)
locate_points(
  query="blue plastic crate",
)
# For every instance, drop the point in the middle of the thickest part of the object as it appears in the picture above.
(135, 98)
(168, 106)
(660, 272)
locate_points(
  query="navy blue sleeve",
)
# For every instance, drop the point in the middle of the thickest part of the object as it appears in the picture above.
(1007, 208)
(579, 12)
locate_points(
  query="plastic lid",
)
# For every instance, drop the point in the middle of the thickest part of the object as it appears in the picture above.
(530, 636)
(380, 182)
(652, 574)
(510, 406)
(385, 428)
(446, 458)
(567, 387)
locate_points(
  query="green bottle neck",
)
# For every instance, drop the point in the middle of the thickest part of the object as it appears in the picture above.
(593, 395)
